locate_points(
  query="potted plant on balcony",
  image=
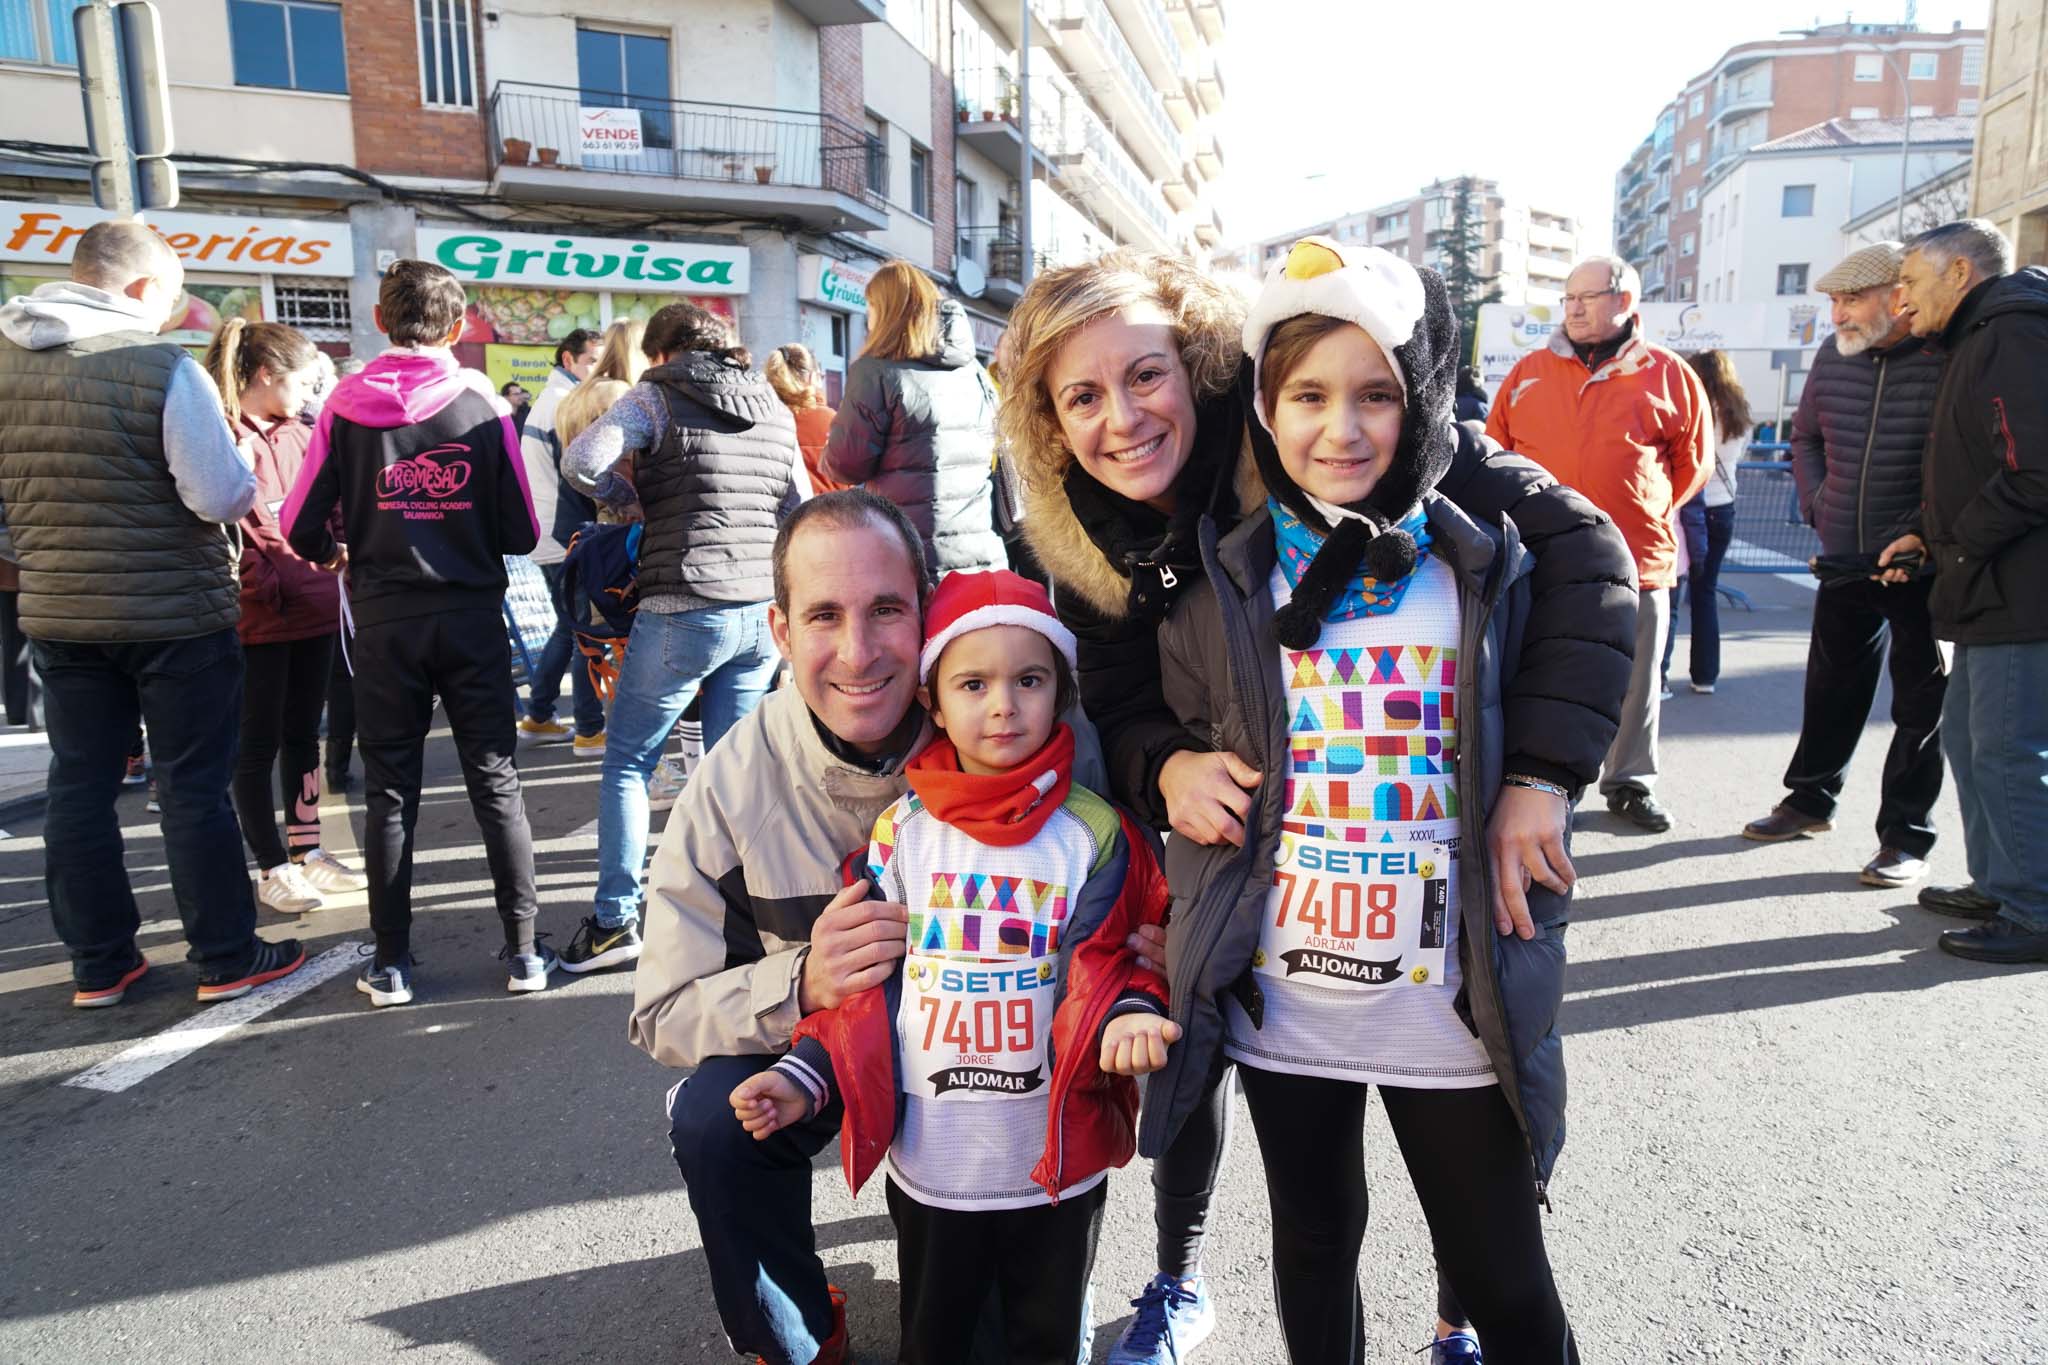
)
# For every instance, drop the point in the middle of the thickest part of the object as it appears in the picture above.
(517, 149)
(548, 156)
(762, 173)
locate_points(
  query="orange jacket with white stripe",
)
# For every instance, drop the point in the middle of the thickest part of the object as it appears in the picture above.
(1636, 436)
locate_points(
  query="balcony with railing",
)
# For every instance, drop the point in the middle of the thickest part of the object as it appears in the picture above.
(1100, 55)
(1209, 231)
(1001, 256)
(1097, 171)
(1660, 193)
(1209, 19)
(1745, 96)
(1151, 35)
(692, 156)
(987, 101)
(1209, 84)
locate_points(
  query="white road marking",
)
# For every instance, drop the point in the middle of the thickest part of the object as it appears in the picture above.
(181, 1040)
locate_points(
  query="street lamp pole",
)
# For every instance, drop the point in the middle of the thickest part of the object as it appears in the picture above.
(1905, 139)
(1024, 127)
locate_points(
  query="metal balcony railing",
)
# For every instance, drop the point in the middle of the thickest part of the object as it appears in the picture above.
(691, 140)
(1102, 26)
(998, 251)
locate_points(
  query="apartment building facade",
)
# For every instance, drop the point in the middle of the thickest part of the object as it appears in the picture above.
(1527, 251)
(1757, 92)
(576, 161)
(2011, 182)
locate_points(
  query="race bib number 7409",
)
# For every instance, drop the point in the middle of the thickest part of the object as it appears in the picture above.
(1356, 916)
(974, 1031)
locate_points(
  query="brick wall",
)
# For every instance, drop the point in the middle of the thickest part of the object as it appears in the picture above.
(945, 198)
(394, 135)
(840, 72)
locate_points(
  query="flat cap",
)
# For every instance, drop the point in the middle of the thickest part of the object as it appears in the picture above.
(1866, 269)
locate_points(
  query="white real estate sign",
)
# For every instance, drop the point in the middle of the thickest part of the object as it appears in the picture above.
(609, 132)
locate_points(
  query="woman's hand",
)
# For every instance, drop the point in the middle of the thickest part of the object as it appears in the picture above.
(1208, 794)
(1135, 1044)
(1525, 838)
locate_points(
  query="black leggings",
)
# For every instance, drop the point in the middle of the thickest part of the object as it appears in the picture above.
(1470, 1168)
(284, 687)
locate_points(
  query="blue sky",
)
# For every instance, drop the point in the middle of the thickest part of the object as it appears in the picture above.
(1336, 105)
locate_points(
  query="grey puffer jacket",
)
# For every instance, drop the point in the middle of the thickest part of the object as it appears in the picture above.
(922, 433)
(1223, 680)
(1857, 439)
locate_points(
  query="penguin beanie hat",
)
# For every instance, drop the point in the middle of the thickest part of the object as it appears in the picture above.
(1408, 313)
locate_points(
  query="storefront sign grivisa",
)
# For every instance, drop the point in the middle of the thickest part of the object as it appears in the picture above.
(49, 233)
(610, 132)
(482, 256)
(834, 283)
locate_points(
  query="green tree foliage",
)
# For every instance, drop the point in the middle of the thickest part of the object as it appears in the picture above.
(1461, 246)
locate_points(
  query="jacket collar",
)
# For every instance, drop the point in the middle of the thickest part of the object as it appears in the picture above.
(1631, 355)
(844, 783)
(731, 389)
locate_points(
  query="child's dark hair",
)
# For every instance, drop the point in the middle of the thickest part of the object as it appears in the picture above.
(240, 348)
(684, 327)
(420, 303)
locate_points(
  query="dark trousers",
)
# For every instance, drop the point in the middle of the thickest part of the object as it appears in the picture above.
(753, 1206)
(284, 687)
(1184, 1180)
(190, 693)
(1470, 1168)
(557, 657)
(341, 712)
(401, 666)
(1037, 1259)
(1707, 533)
(20, 686)
(1851, 624)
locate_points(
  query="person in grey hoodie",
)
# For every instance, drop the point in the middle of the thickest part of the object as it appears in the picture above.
(121, 483)
(917, 424)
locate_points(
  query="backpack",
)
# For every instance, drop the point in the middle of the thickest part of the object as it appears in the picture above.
(597, 595)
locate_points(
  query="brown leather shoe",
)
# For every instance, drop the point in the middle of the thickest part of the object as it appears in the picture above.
(1893, 867)
(1785, 823)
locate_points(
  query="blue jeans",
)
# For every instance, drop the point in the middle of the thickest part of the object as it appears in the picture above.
(1707, 533)
(724, 650)
(1994, 729)
(556, 658)
(190, 693)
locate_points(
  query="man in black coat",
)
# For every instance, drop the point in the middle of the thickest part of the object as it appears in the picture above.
(1984, 527)
(1856, 444)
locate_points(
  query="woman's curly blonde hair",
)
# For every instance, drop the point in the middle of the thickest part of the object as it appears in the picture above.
(1208, 325)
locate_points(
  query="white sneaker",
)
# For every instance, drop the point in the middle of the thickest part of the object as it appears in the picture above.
(1704, 689)
(665, 785)
(325, 872)
(285, 889)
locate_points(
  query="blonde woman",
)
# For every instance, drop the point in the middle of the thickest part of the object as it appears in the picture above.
(917, 424)
(619, 367)
(793, 373)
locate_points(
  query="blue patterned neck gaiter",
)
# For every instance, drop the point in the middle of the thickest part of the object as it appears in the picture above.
(1363, 595)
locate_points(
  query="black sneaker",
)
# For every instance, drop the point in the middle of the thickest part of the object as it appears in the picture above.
(1641, 809)
(1996, 940)
(529, 971)
(597, 946)
(270, 961)
(1964, 902)
(390, 985)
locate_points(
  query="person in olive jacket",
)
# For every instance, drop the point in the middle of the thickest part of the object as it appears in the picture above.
(1984, 529)
(917, 422)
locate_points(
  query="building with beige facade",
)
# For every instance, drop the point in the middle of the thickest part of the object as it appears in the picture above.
(2011, 182)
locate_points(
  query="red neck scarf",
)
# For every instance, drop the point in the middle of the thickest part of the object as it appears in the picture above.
(1004, 809)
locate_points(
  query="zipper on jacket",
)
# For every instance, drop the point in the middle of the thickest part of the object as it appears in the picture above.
(1869, 444)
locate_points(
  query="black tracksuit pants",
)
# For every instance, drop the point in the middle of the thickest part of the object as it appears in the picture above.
(284, 685)
(1470, 1168)
(400, 667)
(1851, 622)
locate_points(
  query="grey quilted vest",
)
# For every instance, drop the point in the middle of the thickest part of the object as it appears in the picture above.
(109, 555)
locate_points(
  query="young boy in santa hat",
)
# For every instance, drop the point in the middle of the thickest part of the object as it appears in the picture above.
(992, 1072)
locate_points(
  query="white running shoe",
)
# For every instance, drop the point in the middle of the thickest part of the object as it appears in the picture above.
(665, 785)
(325, 872)
(285, 889)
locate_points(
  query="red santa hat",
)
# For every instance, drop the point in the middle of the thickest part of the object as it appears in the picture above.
(976, 601)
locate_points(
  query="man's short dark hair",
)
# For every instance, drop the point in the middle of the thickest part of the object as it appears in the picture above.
(114, 254)
(421, 303)
(844, 510)
(573, 344)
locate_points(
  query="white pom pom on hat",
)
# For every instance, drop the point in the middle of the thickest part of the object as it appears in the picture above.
(1368, 286)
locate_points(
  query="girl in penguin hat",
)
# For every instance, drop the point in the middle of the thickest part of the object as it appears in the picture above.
(1355, 643)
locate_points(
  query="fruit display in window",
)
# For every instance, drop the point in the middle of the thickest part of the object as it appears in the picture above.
(528, 317)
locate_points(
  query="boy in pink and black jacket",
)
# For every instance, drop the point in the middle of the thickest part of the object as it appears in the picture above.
(423, 460)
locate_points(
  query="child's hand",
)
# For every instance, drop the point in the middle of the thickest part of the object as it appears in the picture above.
(1134, 1044)
(767, 1102)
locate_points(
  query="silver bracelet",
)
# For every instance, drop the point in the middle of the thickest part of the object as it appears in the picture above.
(1536, 784)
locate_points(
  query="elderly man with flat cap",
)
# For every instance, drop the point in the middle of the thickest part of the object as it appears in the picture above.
(1856, 441)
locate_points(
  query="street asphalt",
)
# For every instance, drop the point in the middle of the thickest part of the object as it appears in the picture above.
(1799, 1133)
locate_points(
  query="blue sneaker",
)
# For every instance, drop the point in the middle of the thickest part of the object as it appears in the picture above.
(1459, 1348)
(1174, 1317)
(390, 985)
(529, 971)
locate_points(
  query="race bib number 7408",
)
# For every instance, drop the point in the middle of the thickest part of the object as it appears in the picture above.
(1356, 916)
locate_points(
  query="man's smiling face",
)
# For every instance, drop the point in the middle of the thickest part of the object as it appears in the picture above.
(851, 630)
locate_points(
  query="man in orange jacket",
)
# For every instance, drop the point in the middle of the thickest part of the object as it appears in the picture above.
(1627, 423)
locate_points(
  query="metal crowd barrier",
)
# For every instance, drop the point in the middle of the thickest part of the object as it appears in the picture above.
(529, 615)
(1770, 535)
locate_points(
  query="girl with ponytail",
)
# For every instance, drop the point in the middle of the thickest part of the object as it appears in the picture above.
(291, 612)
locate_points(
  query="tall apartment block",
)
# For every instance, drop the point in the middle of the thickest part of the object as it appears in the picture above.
(1762, 91)
(576, 161)
(1528, 251)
